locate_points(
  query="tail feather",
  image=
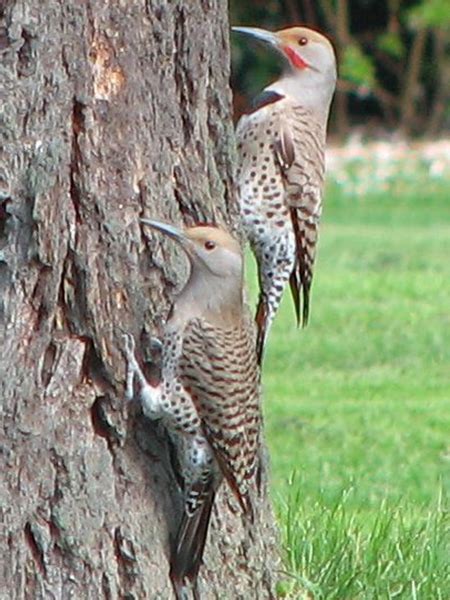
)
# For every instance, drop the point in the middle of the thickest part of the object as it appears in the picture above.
(188, 548)
(299, 284)
(261, 323)
(301, 277)
(305, 298)
(295, 286)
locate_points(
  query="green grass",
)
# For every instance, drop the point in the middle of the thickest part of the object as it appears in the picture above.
(358, 404)
(334, 553)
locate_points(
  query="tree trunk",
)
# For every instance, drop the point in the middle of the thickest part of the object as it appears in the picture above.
(411, 83)
(337, 20)
(441, 98)
(110, 111)
(342, 27)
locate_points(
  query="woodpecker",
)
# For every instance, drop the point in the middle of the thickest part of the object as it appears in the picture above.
(280, 174)
(208, 395)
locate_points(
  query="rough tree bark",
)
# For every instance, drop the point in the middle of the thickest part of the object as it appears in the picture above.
(110, 111)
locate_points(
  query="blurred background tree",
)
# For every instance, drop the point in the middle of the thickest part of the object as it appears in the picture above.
(394, 60)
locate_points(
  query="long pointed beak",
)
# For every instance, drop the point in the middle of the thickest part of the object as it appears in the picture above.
(170, 230)
(260, 34)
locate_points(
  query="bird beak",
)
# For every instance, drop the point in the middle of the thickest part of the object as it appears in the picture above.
(260, 34)
(173, 232)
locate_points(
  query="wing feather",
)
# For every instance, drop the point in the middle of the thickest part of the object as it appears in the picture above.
(301, 162)
(218, 367)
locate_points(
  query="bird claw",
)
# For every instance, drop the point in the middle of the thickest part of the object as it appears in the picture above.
(135, 379)
(129, 345)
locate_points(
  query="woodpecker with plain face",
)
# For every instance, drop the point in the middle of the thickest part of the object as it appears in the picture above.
(208, 396)
(280, 174)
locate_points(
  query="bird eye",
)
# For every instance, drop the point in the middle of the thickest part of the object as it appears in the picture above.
(302, 41)
(209, 245)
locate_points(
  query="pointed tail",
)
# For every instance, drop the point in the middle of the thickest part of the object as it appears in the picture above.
(187, 550)
(301, 277)
(261, 324)
(295, 287)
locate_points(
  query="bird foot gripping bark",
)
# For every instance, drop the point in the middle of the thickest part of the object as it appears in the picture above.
(136, 382)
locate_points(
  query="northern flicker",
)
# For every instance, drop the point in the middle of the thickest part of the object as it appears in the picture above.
(208, 397)
(280, 175)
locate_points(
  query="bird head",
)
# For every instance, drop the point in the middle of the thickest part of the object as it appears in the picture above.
(309, 57)
(211, 250)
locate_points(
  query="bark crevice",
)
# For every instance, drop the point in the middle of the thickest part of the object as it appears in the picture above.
(76, 158)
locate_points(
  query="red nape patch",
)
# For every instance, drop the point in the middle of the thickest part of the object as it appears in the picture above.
(296, 60)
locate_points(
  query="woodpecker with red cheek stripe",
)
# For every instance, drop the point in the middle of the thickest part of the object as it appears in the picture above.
(208, 397)
(280, 175)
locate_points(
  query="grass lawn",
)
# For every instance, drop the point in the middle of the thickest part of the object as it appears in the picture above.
(357, 405)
